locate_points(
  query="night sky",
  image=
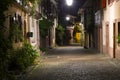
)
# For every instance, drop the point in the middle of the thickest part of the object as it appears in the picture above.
(65, 10)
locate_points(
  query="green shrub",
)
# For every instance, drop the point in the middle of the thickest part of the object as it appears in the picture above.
(23, 58)
(44, 25)
(119, 38)
(43, 49)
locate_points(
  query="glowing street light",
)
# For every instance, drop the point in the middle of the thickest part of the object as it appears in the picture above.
(69, 2)
(67, 18)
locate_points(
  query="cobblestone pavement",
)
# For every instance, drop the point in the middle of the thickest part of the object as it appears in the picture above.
(75, 63)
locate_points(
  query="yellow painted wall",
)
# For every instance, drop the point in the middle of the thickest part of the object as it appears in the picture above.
(78, 37)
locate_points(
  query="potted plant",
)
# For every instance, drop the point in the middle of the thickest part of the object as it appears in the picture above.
(119, 39)
(43, 50)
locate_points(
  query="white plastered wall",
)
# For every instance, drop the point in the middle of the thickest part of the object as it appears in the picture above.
(111, 12)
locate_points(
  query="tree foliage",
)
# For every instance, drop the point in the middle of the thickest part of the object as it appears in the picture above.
(77, 28)
(4, 44)
(60, 34)
(44, 25)
(60, 30)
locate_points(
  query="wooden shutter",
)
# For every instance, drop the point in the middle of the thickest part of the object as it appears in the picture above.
(103, 3)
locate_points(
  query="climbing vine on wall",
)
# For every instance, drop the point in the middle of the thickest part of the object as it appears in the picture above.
(6, 42)
(34, 5)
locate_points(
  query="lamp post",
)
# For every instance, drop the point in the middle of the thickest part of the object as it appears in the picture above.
(67, 18)
(69, 2)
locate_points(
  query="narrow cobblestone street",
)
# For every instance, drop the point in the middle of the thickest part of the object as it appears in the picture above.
(75, 63)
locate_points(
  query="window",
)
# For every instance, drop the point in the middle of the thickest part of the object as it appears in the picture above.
(109, 2)
(16, 28)
(118, 32)
(118, 27)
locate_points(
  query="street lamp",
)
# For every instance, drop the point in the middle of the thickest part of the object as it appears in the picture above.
(14, 18)
(69, 2)
(67, 18)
